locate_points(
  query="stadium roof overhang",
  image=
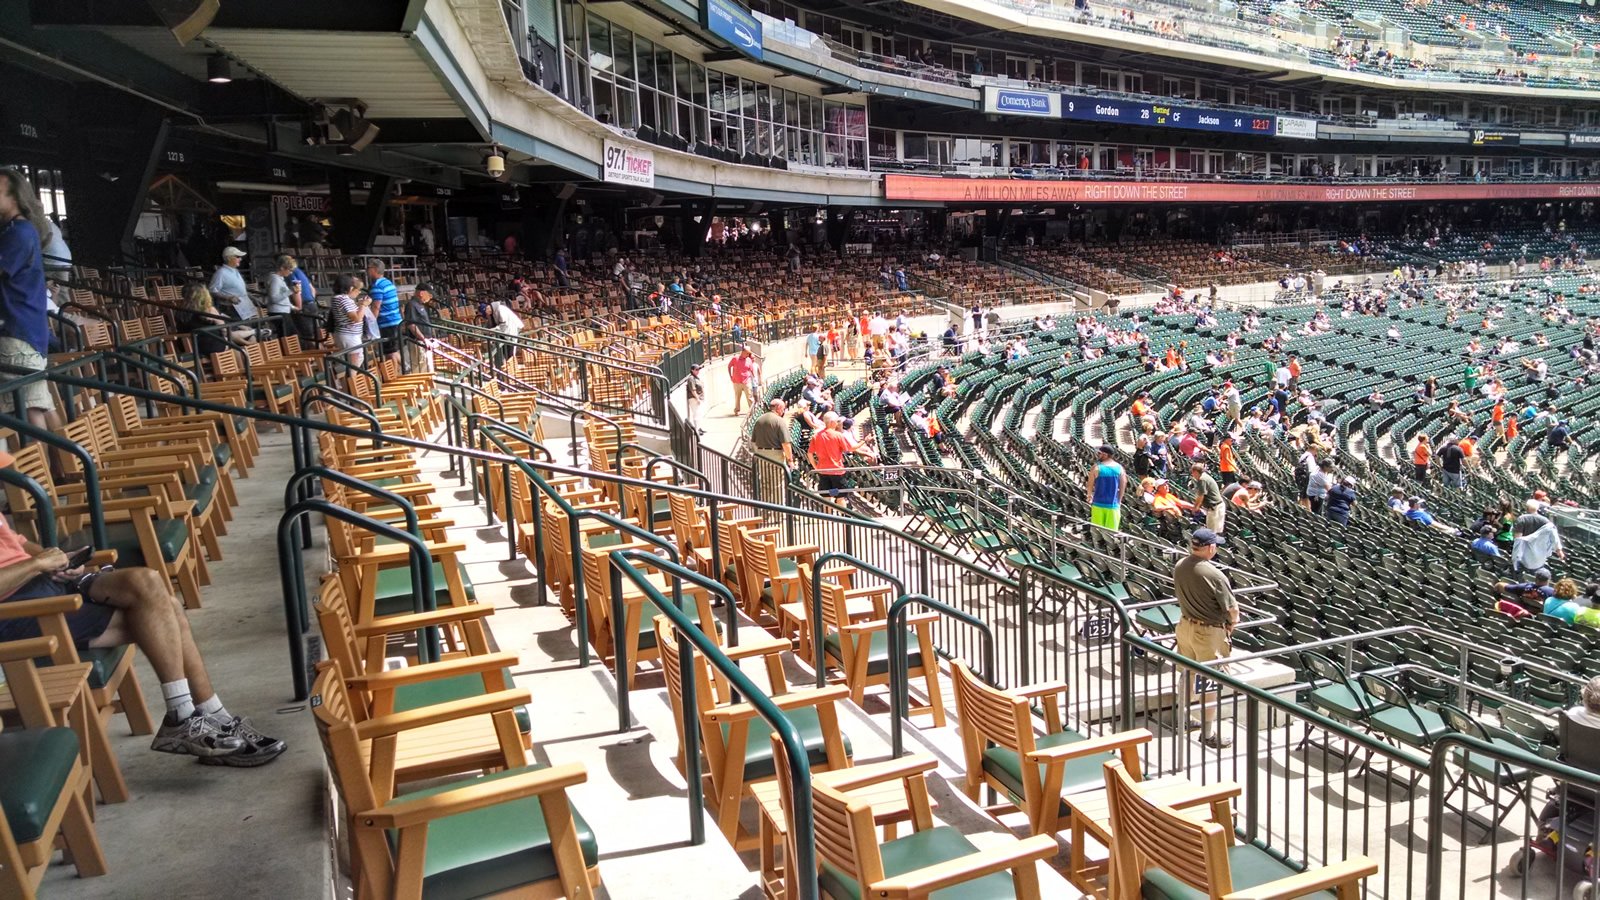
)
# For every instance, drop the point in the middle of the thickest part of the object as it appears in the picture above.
(440, 79)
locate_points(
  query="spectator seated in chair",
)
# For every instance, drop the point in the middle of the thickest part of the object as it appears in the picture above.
(132, 605)
(1531, 594)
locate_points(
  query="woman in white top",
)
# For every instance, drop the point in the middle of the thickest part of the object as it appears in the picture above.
(281, 292)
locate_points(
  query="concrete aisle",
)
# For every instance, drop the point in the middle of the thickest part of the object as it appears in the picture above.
(192, 831)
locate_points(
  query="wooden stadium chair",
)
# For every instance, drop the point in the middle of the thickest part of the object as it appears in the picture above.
(638, 628)
(238, 431)
(1161, 852)
(44, 784)
(364, 650)
(932, 860)
(770, 574)
(997, 737)
(274, 389)
(378, 576)
(854, 632)
(431, 842)
(733, 738)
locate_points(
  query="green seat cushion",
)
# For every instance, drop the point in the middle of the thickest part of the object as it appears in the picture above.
(241, 424)
(444, 690)
(1488, 769)
(1398, 723)
(208, 474)
(758, 742)
(605, 539)
(919, 850)
(878, 650)
(1162, 619)
(647, 621)
(103, 661)
(309, 380)
(488, 851)
(1249, 865)
(37, 763)
(1078, 774)
(394, 589)
(223, 454)
(1344, 701)
(171, 534)
(202, 495)
(279, 391)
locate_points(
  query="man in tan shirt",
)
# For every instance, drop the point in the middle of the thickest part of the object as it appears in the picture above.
(1210, 614)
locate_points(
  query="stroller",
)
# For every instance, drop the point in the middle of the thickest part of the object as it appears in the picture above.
(1565, 831)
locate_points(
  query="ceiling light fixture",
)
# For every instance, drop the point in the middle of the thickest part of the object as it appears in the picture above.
(218, 70)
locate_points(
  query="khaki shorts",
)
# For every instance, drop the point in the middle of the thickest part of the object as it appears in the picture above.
(1217, 516)
(1202, 643)
(20, 354)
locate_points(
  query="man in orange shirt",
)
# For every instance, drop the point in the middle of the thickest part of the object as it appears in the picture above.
(1227, 462)
(1294, 373)
(1421, 457)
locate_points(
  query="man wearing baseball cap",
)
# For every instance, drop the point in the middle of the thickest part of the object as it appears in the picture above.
(1106, 486)
(418, 324)
(132, 605)
(695, 397)
(227, 285)
(1209, 615)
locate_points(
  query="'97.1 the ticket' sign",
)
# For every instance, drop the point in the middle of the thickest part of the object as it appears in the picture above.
(625, 165)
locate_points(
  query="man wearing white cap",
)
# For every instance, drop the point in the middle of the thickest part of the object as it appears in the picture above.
(227, 285)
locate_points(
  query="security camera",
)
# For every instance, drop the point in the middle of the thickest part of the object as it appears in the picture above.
(495, 164)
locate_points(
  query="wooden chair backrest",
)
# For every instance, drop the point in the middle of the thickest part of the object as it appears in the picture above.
(338, 627)
(847, 839)
(336, 727)
(125, 410)
(1190, 849)
(32, 462)
(989, 716)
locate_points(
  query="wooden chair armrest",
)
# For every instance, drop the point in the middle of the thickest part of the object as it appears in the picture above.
(406, 813)
(1199, 794)
(922, 882)
(1042, 689)
(875, 773)
(1102, 744)
(801, 550)
(40, 606)
(883, 624)
(26, 649)
(762, 532)
(115, 504)
(444, 615)
(794, 700)
(450, 668)
(1345, 871)
(873, 591)
(401, 553)
(102, 558)
(763, 645)
(422, 716)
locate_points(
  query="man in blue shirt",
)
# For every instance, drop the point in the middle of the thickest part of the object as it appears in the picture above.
(1106, 487)
(25, 331)
(1531, 594)
(228, 289)
(1415, 513)
(1484, 543)
(386, 299)
(306, 321)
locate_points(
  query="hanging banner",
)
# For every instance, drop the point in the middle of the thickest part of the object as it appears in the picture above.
(625, 165)
(1028, 190)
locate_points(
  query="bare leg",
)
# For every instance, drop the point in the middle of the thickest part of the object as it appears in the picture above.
(150, 617)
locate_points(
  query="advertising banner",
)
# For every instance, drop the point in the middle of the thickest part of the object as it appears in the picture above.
(1293, 127)
(733, 23)
(625, 165)
(1016, 102)
(1025, 190)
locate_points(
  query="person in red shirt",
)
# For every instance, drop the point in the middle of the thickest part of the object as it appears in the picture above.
(827, 450)
(741, 368)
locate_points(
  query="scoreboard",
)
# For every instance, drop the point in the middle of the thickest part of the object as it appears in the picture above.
(1085, 108)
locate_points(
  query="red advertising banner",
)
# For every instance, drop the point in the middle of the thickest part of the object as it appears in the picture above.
(1025, 190)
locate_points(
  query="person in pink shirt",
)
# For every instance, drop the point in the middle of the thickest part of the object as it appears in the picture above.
(741, 368)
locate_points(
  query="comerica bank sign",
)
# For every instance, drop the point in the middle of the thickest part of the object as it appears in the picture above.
(1014, 102)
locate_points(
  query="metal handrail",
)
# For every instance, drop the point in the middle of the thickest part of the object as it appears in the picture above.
(804, 865)
(900, 659)
(817, 625)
